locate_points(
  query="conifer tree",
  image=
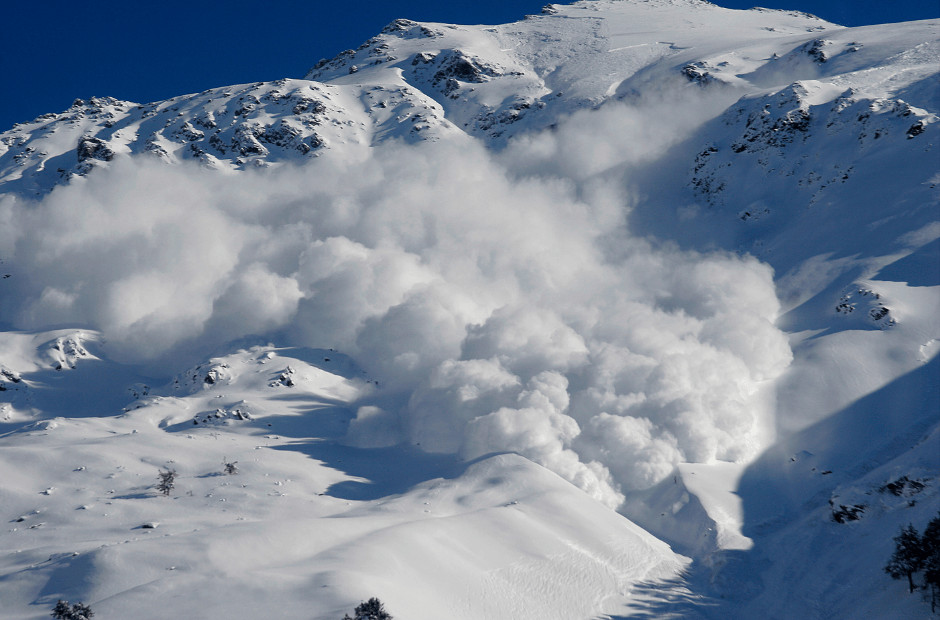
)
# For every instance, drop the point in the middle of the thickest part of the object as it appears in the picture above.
(373, 609)
(166, 481)
(76, 611)
(931, 544)
(908, 556)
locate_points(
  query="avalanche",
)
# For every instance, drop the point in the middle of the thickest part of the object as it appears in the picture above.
(628, 309)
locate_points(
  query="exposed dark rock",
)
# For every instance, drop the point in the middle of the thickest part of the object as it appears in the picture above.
(843, 514)
(816, 50)
(90, 147)
(916, 129)
(903, 487)
(697, 72)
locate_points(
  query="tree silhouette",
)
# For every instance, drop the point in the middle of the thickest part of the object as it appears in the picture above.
(166, 481)
(908, 556)
(373, 609)
(75, 611)
(931, 544)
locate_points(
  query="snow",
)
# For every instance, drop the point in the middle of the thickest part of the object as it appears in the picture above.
(452, 297)
(714, 484)
(298, 515)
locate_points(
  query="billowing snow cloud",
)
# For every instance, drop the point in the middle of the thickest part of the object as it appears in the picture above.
(500, 300)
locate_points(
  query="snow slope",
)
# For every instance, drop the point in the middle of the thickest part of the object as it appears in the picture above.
(304, 523)
(457, 293)
(413, 82)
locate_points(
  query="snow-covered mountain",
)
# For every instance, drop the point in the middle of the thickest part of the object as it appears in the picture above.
(628, 309)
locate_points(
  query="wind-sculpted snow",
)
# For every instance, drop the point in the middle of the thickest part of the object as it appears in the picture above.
(498, 312)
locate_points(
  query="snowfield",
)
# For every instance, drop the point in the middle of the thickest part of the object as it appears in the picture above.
(627, 309)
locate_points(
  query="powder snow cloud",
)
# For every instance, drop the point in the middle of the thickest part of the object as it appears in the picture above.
(500, 299)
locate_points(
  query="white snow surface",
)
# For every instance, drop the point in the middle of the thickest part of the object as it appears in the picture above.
(301, 520)
(628, 309)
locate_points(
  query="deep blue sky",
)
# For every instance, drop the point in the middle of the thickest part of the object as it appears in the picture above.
(54, 51)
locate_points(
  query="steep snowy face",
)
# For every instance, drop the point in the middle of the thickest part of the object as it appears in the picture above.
(231, 128)
(824, 130)
(495, 81)
(415, 82)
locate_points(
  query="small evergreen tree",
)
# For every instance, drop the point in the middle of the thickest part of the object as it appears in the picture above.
(908, 556)
(373, 609)
(166, 481)
(931, 544)
(75, 611)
